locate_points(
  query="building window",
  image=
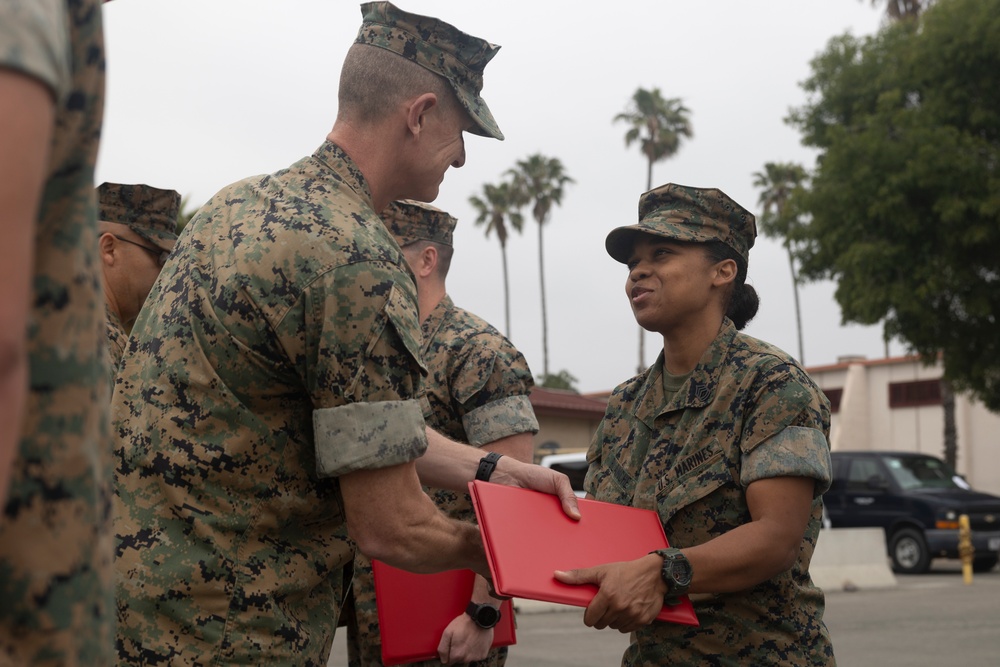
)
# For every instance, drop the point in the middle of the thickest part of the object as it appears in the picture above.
(914, 394)
(834, 396)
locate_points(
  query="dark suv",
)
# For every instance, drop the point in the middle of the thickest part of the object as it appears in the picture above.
(917, 499)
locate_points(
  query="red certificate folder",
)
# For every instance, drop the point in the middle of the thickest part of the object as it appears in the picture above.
(528, 536)
(414, 610)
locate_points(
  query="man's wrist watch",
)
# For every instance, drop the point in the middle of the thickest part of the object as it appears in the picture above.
(676, 572)
(484, 615)
(487, 465)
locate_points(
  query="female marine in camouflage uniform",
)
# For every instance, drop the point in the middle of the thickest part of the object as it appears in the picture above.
(725, 436)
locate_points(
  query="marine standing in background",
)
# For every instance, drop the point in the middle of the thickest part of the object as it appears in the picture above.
(268, 402)
(56, 605)
(138, 229)
(477, 393)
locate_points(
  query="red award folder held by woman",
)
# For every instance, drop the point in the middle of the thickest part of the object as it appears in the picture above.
(527, 537)
(415, 609)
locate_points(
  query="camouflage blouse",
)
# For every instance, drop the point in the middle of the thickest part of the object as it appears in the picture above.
(477, 392)
(747, 412)
(56, 605)
(279, 349)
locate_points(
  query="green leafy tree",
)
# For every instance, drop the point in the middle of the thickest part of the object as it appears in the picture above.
(561, 380)
(659, 125)
(495, 209)
(905, 202)
(779, 220)
(540, 182)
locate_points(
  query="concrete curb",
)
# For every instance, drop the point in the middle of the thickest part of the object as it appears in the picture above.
(849, 559)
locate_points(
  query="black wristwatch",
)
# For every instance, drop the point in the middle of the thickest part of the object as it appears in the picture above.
(676, 573)
(487, 465)
(484, 615)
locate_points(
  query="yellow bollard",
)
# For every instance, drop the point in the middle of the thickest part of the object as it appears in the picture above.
(965, 548)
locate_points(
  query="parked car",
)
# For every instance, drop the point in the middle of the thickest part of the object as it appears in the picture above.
(573, 465)
(917, 499)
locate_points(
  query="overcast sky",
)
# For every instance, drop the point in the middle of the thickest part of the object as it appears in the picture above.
(205, 92)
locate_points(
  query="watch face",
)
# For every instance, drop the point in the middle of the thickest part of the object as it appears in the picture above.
(681, 571)
(487, 616)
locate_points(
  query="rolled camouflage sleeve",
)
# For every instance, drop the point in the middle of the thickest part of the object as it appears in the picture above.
(492, 381)
(786, 435)
(499, 419)
(795, 451)
(361, 365)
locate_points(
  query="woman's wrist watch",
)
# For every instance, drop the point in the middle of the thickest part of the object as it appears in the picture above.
(484, 615)
(676, 573)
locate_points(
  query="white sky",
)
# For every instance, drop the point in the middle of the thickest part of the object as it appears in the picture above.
(205, 92)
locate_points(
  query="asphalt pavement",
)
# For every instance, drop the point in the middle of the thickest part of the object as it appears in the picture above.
(925, 620)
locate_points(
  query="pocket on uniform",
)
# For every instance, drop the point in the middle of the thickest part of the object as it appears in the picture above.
(693, 477)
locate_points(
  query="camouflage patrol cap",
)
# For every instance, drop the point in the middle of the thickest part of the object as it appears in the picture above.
(410, 221)
(149, 212)
(684, 213)
(438, 46)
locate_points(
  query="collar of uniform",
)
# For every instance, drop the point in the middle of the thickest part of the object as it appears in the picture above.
(699, 389)
(435, 321)
(344, 169)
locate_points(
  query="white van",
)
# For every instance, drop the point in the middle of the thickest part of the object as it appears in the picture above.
(573, 465)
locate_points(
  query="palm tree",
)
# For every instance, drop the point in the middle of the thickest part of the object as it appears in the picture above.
(778, 219)
(658, 124)
(902, 9)
(539, 182)
(495, 209)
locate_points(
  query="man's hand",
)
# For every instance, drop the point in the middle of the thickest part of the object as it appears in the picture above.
(529, 476)
(630, 596)
(450, 465)
(463, 641)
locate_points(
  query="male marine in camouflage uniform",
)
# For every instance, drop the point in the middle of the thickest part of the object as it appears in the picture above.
(477, 392)
(271, 388)
(56, 603)
(704, 449)
(138, 227)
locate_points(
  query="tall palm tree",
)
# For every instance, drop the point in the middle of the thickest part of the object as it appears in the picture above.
(778, 220)
(495, 209)
(902, 9)
(659, 124)
(539, 182)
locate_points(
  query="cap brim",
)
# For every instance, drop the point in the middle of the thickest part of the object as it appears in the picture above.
(620, 241)
(486, 124)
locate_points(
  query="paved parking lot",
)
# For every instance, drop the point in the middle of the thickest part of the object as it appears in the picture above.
(925, 621)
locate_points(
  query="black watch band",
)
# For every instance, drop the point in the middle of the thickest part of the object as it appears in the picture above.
(487, 465)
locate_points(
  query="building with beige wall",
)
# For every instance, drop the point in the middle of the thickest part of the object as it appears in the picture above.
(895, 404)
(567, 421)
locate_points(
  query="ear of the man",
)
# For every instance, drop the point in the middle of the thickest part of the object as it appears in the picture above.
(428, 261)
(107, 245)
(416, 116)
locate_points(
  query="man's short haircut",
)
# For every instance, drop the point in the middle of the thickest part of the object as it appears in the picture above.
(374, 81)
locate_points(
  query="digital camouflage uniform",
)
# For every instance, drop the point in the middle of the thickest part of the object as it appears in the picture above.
(477, 392)
(117, 340)
(747, 412)
(56, 604)
(278, 350)
(151, 213)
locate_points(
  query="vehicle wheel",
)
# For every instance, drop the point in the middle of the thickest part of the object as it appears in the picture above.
(908, 550)
(984, 563)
